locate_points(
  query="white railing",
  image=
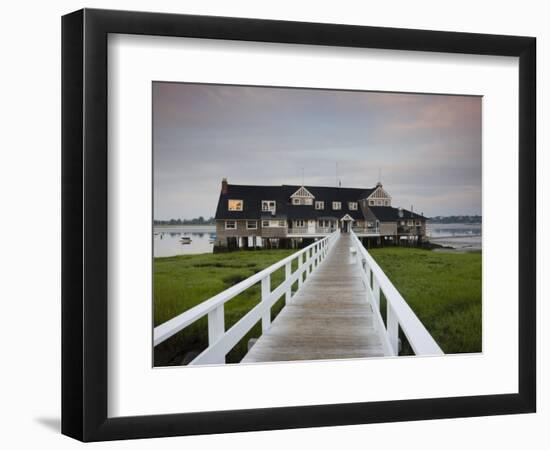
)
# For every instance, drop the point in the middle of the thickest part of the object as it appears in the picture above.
(220, 340)
(398, 313)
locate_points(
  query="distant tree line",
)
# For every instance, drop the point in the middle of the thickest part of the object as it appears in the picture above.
(196, 221)
(456, 219)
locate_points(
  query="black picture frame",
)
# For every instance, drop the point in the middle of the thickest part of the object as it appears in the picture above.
(84, 224)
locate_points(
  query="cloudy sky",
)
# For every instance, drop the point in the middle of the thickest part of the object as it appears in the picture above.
(426, 147)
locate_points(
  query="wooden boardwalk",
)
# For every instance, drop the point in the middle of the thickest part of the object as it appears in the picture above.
(328, 318)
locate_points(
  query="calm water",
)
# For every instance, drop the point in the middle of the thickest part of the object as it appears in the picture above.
(167, 240)
(457, 235)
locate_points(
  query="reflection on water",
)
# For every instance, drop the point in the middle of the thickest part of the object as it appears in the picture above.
(460, 236)
(183, 240)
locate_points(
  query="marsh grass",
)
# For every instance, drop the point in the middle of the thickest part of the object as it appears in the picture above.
(443, 289)
(181, 282)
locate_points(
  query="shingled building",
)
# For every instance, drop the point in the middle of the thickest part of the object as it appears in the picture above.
(291, 216)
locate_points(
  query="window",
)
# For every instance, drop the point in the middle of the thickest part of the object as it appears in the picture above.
(352, 206)
(370, 224)
(378, 202)
(251, 224)
(235, 205)
(273, 223)
(296, 201)
(371, 202)
(308, 201)
(299, 223)
(230, 225)
(336, 205)
(268, 205)
(417, 222)
(410, 222)
(386, 203)
(319, 205)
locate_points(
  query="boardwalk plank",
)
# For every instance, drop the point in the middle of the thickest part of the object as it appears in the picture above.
(328, 318)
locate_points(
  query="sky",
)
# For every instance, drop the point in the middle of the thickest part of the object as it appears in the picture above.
(426, 149)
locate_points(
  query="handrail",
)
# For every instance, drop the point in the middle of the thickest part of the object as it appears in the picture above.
(220, 341)
(399, 313)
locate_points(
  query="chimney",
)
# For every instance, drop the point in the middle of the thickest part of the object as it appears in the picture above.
(224, 185)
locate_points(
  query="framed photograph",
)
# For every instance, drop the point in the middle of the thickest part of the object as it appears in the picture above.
(272, 224)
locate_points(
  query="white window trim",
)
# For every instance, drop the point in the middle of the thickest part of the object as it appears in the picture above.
(296, 201)
(269, 208)
(335, 207)
(319, 205)
(230, 228)
(352, 206)
(255, 227)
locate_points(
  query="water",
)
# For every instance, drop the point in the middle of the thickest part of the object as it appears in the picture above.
(167, 240)
(460, 236)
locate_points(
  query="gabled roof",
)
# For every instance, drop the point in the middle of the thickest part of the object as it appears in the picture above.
(391, 214)
(253, 195)
(347, 217)
(302, 192)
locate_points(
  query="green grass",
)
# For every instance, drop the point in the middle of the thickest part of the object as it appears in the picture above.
(181, 282)
(443, 289)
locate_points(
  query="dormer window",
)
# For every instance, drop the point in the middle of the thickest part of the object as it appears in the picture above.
(235, 205)
(371, 202)
(268, 206)
(352, 206)
(302, 197)
(336, 205)
(319, 205)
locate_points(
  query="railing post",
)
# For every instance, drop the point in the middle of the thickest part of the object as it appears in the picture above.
(266, 314)
(375, 293)
(393, 328)
(300, 263)
(288, 272)
(316, 254)
(216, 329)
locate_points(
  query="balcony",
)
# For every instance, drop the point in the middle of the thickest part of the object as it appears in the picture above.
(409, 230)
(311, 231)
(366, 230)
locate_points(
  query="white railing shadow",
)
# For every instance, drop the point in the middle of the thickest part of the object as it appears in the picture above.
(398, 313)
(221, 341)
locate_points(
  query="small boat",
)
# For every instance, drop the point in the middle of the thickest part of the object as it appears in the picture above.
(185, 240)
(212, 238)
